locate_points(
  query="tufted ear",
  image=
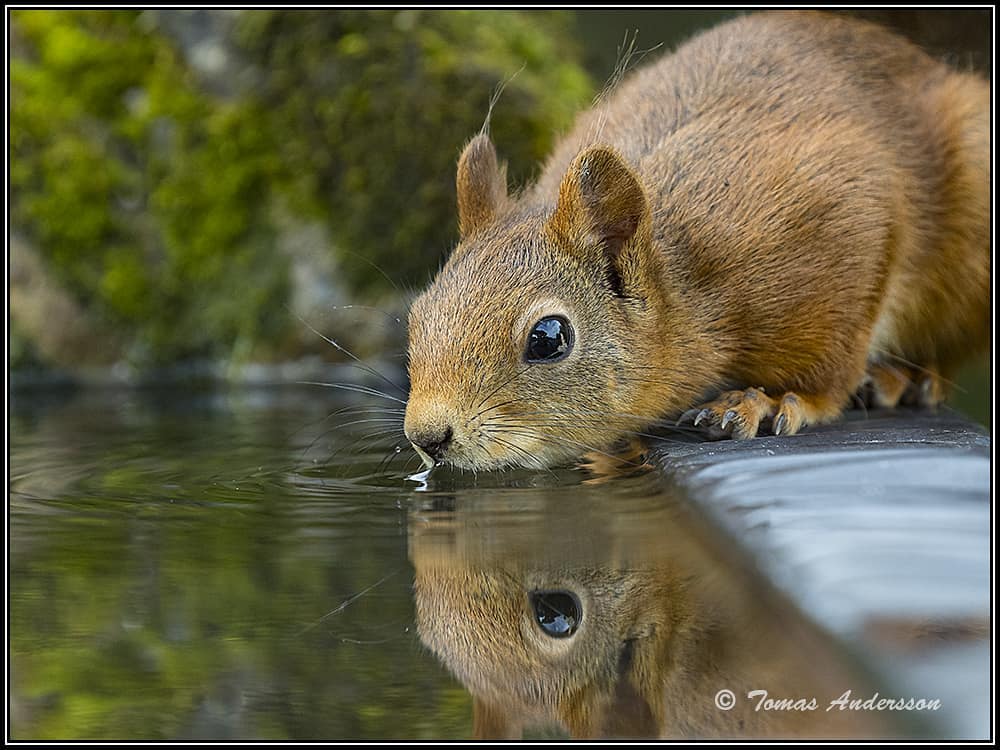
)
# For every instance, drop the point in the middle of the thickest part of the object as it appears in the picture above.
(481, 184)
(602, 208)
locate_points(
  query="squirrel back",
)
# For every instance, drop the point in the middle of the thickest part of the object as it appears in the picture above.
(789, 207)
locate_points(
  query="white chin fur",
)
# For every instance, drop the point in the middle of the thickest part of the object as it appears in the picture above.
(530, 459)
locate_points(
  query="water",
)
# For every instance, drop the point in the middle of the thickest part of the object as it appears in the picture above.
(249, 564)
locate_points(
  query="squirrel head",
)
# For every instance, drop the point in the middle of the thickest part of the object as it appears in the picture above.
(581, 647)
(538, 339)
(542, 629)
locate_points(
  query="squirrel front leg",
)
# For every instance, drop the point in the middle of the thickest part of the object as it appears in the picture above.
(741, 414)
(626, 459)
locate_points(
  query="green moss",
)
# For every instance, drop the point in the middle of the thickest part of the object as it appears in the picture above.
(149, 198)
(21, 350)
(381, 103)
(141, 192)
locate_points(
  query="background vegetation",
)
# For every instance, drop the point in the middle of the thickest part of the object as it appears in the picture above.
(168, 166)
(192, 187)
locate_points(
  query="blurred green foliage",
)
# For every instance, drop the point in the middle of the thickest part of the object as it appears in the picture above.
(143, 194)
(151, 195)
(151, 198)
(20, 349)
(379, 105)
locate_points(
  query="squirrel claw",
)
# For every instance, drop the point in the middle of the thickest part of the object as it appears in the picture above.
(779, 424)
(740, 414)
(688, 416)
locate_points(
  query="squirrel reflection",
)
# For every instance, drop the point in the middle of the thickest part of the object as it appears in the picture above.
(612, 622)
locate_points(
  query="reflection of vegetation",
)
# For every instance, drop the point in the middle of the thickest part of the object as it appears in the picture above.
(151, 199)
(168, 598)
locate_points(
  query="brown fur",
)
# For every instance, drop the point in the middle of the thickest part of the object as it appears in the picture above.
(787, 202)
(668, 620)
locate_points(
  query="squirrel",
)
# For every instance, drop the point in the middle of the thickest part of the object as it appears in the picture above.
(790, 209)
(632, 634)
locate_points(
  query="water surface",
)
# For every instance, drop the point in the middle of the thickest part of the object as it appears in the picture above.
(255, 564)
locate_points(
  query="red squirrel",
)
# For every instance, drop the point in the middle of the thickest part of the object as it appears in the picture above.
(791, 206)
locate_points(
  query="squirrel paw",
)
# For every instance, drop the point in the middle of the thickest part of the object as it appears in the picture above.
(888, 385)
(735, 414)
(741, 414)
(631, 459)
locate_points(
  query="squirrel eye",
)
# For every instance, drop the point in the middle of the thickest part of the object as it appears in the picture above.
(558, 613)
(550, 340)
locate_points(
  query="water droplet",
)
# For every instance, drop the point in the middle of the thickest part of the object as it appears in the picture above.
(398, 449)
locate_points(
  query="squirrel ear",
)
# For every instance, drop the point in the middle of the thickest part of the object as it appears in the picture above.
(481, 185)
(631, 708)
(632, 712)
(601, 202)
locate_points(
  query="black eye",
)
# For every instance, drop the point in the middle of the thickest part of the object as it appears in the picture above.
(550, 340)
(558, 613)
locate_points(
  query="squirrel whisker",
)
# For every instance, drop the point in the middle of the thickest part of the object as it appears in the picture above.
(352, 387)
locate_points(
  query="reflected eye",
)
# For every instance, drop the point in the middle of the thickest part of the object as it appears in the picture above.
(557, 613)
(550, 340)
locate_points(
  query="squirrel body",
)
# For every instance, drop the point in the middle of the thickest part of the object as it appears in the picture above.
(790, 207)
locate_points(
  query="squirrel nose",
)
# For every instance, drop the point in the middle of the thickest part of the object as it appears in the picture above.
(434, 442)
